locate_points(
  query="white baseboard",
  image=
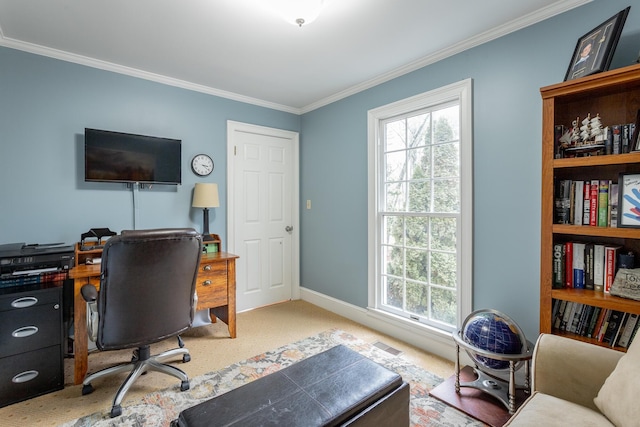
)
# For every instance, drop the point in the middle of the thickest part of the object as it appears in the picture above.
(418, 335)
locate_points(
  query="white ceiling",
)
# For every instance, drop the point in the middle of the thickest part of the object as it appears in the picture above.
(240, 49)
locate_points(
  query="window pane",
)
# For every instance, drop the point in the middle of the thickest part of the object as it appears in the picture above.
(395, 135)
(393, 292)
(393, 260)
(418, 298)
(443, 269)
(448, 163)
(443, 305)
(446, 196)
(417, 265)
(447, 124)
(443, 234)
(417, 232)
(420, 196)
(395, 197)
(393, 230)
(419, 163)
(396, 166)
(419, 130)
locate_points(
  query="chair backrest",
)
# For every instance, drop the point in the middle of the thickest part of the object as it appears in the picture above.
(147, 286)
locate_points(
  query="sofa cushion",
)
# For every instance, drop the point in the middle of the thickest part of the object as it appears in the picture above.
(618, 397)
(545, 410)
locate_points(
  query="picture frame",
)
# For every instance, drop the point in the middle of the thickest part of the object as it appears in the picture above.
(594, 50)
(629, 200)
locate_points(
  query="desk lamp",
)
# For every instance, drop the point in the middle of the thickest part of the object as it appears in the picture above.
(205, 195)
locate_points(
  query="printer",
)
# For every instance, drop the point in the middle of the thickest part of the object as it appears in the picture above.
(29, 264)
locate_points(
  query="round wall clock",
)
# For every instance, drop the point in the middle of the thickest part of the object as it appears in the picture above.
(202, 165)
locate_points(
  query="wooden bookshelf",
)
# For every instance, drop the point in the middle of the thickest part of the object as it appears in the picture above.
(615, 95)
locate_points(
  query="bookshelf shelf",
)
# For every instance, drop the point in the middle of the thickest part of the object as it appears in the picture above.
(615, 96)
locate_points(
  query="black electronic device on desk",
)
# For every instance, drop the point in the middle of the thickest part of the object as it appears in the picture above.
(95, 238)
(30, 264)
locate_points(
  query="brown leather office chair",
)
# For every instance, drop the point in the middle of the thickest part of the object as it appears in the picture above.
(147, 294)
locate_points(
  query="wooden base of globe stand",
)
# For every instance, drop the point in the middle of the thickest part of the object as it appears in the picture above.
(504, 391)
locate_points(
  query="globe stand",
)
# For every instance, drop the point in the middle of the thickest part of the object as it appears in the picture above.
(502, 390)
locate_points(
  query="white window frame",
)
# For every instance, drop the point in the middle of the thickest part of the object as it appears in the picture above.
(461, 92)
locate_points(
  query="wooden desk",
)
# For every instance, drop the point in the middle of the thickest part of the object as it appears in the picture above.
(216, 289)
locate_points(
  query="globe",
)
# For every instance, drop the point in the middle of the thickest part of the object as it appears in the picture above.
(494, 332)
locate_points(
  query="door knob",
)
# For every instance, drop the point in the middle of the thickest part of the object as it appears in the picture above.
(288, 229)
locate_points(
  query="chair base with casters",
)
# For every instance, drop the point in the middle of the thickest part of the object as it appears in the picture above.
(141, 363)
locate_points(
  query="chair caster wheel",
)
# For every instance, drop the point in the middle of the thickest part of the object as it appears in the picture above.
(87, 389)
(186, 358)
(116, 411)
(184, 385)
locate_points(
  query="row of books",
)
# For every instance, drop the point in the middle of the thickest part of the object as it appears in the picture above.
(616, 139)
(612, 327)
(593, 202)
(580, 265)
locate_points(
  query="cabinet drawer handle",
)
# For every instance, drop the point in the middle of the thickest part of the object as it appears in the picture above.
(24, 302)
(206, 283)
(207, 267)
(24, 332)
(23, 377)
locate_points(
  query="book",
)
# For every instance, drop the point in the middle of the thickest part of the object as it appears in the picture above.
(578, 202)
(629, 326)
(613, 205)
(578, 265)
(586, 217)
(558, 265)
(557, 320)
(610, 266)
(588, 266)
(593, 209)
(565, 315)
(619, 327)
(587, 310)
(617, 143)
(604, 325)
(568, 265)
(575, 319)
(592, 322)
(603, 203)
(625, 138)
(598, 268)
(614, 322)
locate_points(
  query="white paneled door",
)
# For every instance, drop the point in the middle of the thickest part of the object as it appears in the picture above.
(262, 220)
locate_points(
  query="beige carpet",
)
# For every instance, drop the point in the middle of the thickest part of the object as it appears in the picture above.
(211, 349)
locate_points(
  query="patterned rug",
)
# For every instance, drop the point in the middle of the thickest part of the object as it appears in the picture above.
(160, 408)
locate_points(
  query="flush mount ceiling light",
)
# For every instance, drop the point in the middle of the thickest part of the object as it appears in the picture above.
(299, 12)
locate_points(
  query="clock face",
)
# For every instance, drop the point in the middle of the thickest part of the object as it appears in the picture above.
(202, 165)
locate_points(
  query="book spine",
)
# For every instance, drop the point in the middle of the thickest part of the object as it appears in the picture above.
(558, 266)
(593, 210)
(588, 266)
(610, 267)
(632, 320)
(557, 321)
(565, 315)
(598, 268)
(613, 205)
(617, 135)
(578, 265)
(578, 210)
(595, 316)
(605, 324)
(568, 268)
(586, 217)
(603, 203)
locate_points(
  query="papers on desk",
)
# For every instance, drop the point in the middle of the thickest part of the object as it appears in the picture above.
(91, 261)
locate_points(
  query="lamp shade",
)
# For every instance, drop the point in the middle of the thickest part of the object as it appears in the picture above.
(299, 12)
(205, 195)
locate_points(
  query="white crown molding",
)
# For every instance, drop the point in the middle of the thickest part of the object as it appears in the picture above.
(525, 21)
(134, 72)
(503, 30)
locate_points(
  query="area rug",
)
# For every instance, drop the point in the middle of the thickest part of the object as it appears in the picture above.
(160, 408)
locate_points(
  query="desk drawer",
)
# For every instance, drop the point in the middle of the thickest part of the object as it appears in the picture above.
(211, 285)
(30, 374)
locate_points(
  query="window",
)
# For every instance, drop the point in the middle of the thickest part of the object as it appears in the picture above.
(420, 209)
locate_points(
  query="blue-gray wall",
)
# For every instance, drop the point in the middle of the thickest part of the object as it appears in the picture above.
(507, 74)
(45, 104)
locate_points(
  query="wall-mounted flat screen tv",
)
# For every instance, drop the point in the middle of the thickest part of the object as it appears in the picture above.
(124, 157)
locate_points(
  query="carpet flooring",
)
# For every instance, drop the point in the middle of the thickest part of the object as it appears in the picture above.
(161, 407)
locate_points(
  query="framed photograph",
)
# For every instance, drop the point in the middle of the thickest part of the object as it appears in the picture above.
(595, 49)
(629, 200)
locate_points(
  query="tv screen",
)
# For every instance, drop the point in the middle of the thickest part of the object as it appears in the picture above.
(124, 157)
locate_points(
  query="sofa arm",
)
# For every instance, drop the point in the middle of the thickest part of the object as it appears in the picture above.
(571, 370)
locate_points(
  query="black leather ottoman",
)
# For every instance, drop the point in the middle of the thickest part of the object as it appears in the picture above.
(333, 388)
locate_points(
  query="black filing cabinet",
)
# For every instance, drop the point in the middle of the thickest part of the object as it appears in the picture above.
(31, 357)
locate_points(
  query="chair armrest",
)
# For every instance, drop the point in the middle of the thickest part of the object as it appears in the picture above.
(571, 370)
(89, 293)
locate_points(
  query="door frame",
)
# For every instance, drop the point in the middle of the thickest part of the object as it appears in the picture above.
(232, 127)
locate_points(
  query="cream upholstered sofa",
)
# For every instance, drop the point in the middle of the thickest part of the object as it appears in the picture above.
(580, 384)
